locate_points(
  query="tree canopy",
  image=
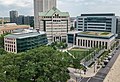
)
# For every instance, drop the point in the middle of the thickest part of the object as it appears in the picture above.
(43, 64)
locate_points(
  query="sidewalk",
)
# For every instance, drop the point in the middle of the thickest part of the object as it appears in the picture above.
(79, 73)
(114, 74)
(91, 71)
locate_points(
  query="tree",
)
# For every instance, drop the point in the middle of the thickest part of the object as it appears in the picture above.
(2, 39)
(43, 64)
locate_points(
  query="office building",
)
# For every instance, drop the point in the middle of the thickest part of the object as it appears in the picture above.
(20, 42)
(28, 20)
(55, 23)
(42, 6)
(97, 22)
(20, 19)
(13, 16)
(91, 39)
(11, 27)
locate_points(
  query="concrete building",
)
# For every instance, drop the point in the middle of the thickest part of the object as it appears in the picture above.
(91, 39)
(10, 27)
(55, 23)
(28, 39)
(97, 22)
(13, 16)
(42, 6)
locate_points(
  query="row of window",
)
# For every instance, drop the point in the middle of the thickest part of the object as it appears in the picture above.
(91, 43)
(10, 42)
(10, 49)
(8, 45)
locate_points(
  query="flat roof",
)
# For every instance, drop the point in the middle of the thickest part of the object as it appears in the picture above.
(13, 27)
(74, 32)
(97, 33)
(23, 35)
(99, 14)
(105, 35)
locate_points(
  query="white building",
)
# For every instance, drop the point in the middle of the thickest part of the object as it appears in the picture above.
(92, 39)
(42, 6)
(55, 23)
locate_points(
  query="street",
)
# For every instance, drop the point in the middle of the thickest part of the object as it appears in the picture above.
(100, 76)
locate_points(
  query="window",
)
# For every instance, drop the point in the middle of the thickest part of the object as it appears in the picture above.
(81, 43)
(105, 45)
(88, 43)
(91, 43)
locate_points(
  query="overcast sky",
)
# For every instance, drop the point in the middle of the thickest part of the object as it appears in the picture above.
(74, 7)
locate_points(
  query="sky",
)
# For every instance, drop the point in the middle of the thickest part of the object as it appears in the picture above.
(74, 7)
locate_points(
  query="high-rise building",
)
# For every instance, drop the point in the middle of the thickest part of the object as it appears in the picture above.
(97, 22)
(20, 19)
(28, 20)
(42, 6)
(13, 16)
(55, 23)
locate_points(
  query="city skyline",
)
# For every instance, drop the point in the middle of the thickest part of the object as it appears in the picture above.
(25, 7)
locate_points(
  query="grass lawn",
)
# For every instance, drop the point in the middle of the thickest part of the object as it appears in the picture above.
(79, 53)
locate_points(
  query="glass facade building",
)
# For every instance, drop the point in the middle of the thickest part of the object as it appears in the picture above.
(16, 43)
(97, 22)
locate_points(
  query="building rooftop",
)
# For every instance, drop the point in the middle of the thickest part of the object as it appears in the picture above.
(52, 11)
(74, 32)
(96, 34)
(24, 34)
(99, 14)
(13, 27)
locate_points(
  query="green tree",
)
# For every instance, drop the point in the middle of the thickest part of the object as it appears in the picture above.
(2, 39)
(43, 64)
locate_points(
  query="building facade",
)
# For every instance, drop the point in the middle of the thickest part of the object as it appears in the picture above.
(97, 22)
(92, 39)
(20, 19)
(13, 16)
(42, 6)
(55, 23)
(28, 20)
(20, 42)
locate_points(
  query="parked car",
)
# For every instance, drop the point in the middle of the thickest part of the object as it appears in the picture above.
(109, 57)
(106, 62)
